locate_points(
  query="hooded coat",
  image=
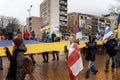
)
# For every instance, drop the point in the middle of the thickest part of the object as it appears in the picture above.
(91, 50)
(17, 62)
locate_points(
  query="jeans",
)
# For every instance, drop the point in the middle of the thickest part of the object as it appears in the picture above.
(108, 60)
(91, 67)
(1, 64)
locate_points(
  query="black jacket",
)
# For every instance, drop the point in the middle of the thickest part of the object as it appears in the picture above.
(91, 51)
(110, 47)
(53, 37)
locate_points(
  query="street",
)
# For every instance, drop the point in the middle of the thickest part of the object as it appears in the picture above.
(57, 70)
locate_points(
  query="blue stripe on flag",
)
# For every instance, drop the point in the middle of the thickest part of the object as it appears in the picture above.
(78, 29)
(118, 21)
(44, 25)
(9, 42)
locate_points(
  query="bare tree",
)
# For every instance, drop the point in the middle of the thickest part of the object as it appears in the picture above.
(12, 20)
(3, 21)
(8, 23)
(115, 7)
(13, 23)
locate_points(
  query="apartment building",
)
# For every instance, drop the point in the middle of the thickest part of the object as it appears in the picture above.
(55, 13)
(113, 19)
(89, 24)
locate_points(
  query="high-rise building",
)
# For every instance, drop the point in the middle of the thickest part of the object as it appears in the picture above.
(55, 13)
(63, 15)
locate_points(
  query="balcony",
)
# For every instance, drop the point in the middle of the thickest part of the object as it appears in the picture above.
(63, 20)
(63, 8)
(63, 14)
(63, 3)
(63, 24)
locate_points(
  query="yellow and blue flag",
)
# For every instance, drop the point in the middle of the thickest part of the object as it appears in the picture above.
(115, 30)
(45, 27)
(118, 21)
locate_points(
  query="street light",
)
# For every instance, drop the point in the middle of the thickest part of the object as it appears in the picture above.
(29, 10)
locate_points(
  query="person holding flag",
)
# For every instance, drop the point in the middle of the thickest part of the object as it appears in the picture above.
(74, 59)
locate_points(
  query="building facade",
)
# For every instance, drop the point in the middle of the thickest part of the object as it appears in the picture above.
(89, 24)
(113, 19)
(55, 13)
(35, 24)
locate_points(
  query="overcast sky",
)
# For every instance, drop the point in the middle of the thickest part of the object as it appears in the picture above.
(18, 8)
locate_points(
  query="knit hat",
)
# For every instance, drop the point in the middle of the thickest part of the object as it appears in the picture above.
(18, 41)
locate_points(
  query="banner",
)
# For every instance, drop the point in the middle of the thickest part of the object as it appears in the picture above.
(34, 47)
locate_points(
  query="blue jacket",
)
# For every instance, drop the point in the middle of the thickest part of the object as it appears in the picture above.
(48, 37)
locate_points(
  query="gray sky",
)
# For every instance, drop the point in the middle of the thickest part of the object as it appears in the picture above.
(18, 8)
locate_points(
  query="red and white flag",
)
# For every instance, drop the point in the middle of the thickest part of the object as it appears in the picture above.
(74, 59)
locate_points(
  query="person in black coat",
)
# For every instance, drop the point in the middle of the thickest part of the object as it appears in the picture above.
(45, 54)
(57, 39)
(54, 39)
(53, 36)
(111, 49)
(90, 56)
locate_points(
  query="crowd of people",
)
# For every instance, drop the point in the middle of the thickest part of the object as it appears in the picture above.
(17, 58)
(112, 47)
(17, 72)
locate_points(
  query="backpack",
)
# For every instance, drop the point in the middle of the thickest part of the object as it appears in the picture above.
(28, 65)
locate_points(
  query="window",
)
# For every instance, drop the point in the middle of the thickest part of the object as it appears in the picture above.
(81, 17)
(85, 17)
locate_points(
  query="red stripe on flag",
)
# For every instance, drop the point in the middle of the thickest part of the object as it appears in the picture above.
(76, 47)
(73, 58)
(75, 26)
(72, 77)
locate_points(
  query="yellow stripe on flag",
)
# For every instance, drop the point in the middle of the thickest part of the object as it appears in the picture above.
(46, 47)
(119, 31)
(45, 28)
(115, 30)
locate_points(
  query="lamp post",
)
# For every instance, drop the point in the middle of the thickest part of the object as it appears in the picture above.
(29, 10)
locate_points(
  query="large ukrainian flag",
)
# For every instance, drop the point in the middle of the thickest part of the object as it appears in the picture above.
(118, 26)
(45, 26)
